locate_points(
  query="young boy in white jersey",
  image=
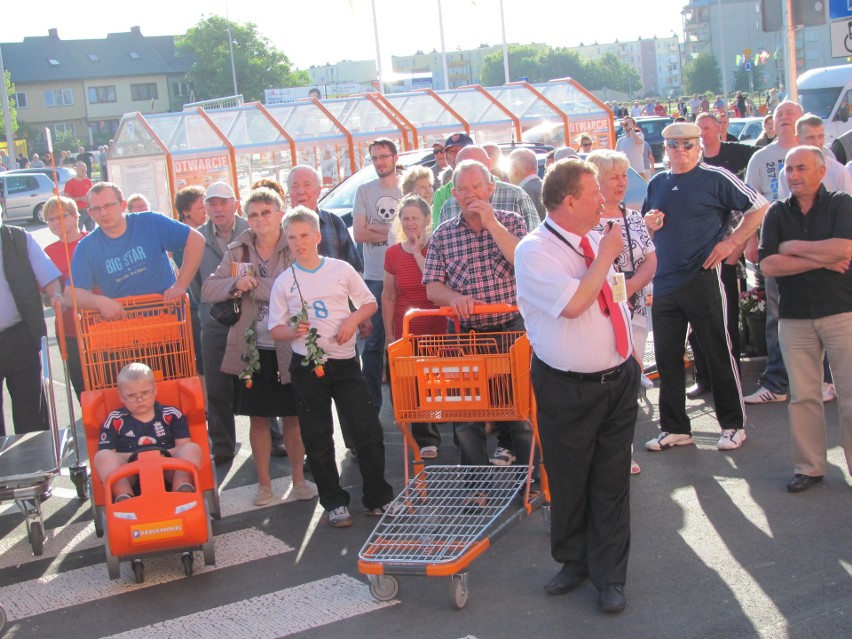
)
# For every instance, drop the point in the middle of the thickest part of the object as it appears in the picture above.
(314, 294)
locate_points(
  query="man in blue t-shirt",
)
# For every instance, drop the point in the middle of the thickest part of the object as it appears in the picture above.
(688, 210)
(128, 254)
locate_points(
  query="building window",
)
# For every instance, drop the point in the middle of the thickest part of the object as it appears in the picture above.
(99, 95)
(53, 62)
(58, 97)
(61, 127)
(180, 89)
(21, 100)
(93, 57)
(133, 55)
(147, 91)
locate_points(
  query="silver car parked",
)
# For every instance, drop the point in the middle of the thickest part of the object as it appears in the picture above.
(24, 195)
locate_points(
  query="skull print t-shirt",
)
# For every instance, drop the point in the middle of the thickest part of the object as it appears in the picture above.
(379, 206)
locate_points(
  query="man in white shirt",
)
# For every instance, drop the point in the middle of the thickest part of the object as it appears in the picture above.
(632, 144)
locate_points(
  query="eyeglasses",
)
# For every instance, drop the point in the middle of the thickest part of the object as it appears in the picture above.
(384, 156)
(441, 152)
(138, 397)
(97, 210)
(685, 144)
(56, 218)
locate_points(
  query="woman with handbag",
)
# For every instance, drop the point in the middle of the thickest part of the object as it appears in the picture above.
(262, 388)
(637, 261)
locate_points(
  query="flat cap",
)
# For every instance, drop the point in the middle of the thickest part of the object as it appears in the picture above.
(681, 130)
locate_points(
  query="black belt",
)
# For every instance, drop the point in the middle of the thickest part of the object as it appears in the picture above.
(13, 327)
(599, 377)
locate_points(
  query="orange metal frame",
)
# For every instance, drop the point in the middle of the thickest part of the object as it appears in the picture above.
(515, 119)
(393, 115)
(343, 130)
(415, 143)
(591, 97)
(228, 144)
(170, 171)
(279, 128)
(550, 104)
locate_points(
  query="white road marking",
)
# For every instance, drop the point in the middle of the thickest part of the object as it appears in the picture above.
(277, 614)
(60, 590)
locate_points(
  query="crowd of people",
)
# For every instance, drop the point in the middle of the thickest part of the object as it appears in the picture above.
(94, 159)
(565, 249)
(740, 105)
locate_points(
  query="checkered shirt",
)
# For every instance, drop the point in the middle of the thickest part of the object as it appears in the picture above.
(473, 265)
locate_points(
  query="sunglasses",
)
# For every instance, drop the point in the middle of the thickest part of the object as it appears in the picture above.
(685, 144)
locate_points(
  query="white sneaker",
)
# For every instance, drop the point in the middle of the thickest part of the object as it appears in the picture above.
(647, 384)
(339, 517)
(731, 438)
(764, 396)
(665, 440)
(829, 394)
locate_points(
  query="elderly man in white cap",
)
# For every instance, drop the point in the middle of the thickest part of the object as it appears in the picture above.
(222, 226)
(687, 209)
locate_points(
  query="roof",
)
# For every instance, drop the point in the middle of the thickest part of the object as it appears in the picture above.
(49, 58)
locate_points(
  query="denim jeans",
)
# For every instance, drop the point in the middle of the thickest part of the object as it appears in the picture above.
(372, 359)
(775, 374)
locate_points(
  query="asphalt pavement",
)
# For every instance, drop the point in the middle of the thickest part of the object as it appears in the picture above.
(719, 549)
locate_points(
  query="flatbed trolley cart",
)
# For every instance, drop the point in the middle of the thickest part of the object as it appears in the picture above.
(157, 333)
(446, 516)
(30, 461)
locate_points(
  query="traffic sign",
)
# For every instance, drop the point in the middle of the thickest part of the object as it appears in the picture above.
(839, 9)
(747, 65)
(841, 38)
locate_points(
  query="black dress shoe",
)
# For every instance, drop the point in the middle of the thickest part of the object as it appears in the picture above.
(697, 390)
(801, 482)
(279, 451)
(612, 598)
(220, 459)
(565, 581)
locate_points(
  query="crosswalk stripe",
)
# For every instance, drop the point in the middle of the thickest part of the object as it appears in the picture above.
(15, 549)
(73, 587)
(277, 614)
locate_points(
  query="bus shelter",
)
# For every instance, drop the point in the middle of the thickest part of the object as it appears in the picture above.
(487, 119)
(426, 115)
(530, 107)
(320, 140)
(366, 117)
(159, 154)
(586, 114)
(262, 148)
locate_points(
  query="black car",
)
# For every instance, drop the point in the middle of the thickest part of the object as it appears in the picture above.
(652, 128)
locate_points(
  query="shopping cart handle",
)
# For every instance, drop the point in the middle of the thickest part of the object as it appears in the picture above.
(450, 312)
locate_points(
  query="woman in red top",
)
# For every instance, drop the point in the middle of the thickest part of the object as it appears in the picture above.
(61, 215)
(404, 289)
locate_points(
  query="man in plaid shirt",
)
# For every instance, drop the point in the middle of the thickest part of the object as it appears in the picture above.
(471, 261)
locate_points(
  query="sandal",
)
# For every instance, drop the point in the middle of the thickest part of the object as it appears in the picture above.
(634, 467)
(429, 452)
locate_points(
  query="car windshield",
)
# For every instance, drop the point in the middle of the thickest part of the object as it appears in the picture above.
(735, 128)
(819, 101)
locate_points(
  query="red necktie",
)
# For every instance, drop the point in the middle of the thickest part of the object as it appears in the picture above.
(608, 305)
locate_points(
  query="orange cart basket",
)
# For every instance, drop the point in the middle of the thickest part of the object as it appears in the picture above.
(153, 331)
(446, 516)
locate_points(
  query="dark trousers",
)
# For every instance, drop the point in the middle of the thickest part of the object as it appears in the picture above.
(700, 303)
(344, 383)
(586, 429)
(732, 297)
(373, 354)
(20, 367)
(75, 365)
(220, 390)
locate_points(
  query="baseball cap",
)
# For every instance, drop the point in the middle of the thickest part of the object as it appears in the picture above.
(220, 189)
(458, 139)
(563, 153)
(682, 130)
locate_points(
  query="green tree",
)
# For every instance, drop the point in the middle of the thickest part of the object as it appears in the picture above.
(741, 82)
(562, 63)
(523, 61)
(702, 74)
(258, 64)
(10, 91)
(611, 73)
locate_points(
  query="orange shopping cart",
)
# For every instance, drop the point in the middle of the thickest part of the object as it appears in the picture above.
(157, 333)
(446, 516)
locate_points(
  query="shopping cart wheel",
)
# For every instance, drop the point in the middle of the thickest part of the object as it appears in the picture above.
(383, 587)
(459, 590)
(36, 535)
(138, 571)
(113, 570)
(80, 477)
(545, 516)
(186, 560)
(208, 550)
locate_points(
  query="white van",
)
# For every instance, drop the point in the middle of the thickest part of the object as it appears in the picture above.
(826, 92)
